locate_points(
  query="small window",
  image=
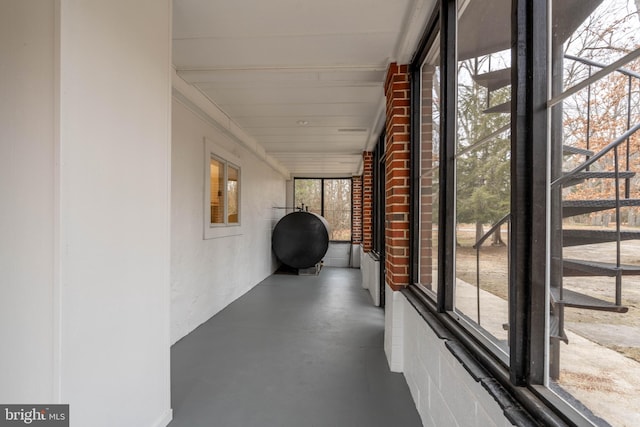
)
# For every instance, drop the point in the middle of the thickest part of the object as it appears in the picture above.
(222, 192)
(217, 202)
(233, 187)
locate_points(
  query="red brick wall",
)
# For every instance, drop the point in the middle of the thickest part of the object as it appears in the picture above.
(397, 144)
(367, 201)
(356, 214)
(426, 182)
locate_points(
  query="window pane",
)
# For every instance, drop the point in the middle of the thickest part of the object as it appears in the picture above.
(233, 191)
(594, 279)
(217, 191)
(378, 211)
(482, 165)
(429, 169)
(337, 208)
(308, 192)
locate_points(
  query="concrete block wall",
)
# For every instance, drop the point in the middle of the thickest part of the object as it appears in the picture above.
(394, 331)
(444, 393)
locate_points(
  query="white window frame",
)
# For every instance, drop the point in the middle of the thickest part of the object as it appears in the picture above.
(215, 151)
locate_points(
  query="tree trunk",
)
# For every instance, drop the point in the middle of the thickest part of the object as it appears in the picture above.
(497, 238)
(479, 231)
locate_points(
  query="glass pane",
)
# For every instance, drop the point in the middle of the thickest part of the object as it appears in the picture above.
(233, 192)
(217, 191)
(594, 341)
(482, 165)
(429, 168)
(378, 197)
(337, 208)
(308, 194)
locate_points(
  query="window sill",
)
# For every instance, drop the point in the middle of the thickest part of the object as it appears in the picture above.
(521, 406)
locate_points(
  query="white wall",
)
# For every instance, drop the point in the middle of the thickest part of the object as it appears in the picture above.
(443, 391)
(27, 178)
(371, 276)
(115, 94)
(84, 226)
(356, 255)
(394, 329)
(207, 275)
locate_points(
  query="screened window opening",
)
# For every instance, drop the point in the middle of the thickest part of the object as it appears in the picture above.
(330, 198)
(483, 175)
(595, 201)
(536, 218)
(427, 182)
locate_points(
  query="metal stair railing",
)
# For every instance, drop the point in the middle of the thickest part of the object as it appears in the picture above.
(495, 227)
(630, 76)
(612, 145)
(605, 70)
(611, 68)
(484, 140)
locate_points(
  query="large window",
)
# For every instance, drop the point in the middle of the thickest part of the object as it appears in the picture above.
(526, 199)
(330, 198)
(481, 167)
(594, 187)
(476, 179)
(378, 213)
(426, 181)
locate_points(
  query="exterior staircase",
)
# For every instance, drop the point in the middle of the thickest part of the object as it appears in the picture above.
(563, 236)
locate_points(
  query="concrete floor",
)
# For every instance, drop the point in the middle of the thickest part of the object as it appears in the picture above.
(295, 351)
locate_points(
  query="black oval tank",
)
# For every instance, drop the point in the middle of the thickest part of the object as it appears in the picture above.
(300, 239)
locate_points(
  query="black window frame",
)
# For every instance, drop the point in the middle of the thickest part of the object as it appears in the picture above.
(523, 377)
(322, 180)
(378, 197)
(379, 211)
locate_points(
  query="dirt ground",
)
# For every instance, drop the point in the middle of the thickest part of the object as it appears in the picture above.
(493, 278)
(604, 347)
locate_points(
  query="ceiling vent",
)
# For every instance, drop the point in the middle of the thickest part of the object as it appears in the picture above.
(352, 130)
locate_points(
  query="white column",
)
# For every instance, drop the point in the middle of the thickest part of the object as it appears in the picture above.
(115, 107)
(85, 104)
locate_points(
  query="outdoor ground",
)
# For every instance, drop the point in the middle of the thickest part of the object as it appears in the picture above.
(601, 364)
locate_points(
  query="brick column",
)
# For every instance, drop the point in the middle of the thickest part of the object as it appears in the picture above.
(397, 90)
(426, 182)
(356, 210)
(367, 202)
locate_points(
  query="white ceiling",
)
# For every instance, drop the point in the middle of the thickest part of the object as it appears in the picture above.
(303, 78)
